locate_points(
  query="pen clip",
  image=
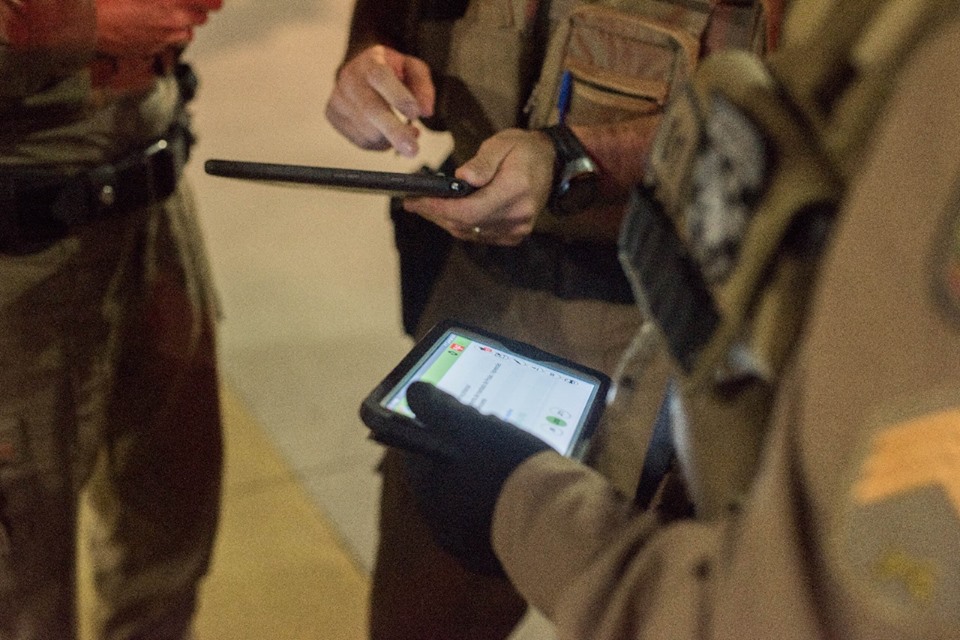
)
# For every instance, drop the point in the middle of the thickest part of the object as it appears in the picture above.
(564, 95)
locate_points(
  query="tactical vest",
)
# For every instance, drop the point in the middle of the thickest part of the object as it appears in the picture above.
(723, 241)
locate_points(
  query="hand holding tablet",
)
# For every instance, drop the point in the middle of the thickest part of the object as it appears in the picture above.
(554, 399)
(401, 184)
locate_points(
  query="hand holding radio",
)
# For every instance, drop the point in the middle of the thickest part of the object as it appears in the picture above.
(513, 174)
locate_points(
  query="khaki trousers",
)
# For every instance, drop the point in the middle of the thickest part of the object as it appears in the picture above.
(108, 384)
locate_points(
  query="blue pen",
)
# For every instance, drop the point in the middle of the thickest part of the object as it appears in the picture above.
(563, 97)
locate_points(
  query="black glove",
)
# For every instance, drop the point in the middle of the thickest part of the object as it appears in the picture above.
(457, 494)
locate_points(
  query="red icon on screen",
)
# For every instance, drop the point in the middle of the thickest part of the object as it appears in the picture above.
(456, 347)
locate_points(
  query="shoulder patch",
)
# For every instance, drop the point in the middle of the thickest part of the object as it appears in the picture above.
(898, 534)
(947, 262)
(708, 163)
(726, 178)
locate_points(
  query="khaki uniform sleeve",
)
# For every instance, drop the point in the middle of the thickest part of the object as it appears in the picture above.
(579, 552)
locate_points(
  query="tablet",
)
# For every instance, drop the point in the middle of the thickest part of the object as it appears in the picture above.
(402, 184)
(557, 400)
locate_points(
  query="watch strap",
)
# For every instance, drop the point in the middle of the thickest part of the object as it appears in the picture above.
(566, 143)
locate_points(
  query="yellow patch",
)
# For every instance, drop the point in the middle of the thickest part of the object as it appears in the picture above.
(898, 533)
(919, 576)
(921, 452)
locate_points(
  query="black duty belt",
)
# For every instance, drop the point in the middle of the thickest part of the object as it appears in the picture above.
(568, 270)
(39, 207)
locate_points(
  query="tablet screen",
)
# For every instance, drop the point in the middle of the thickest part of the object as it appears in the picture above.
(544, 398)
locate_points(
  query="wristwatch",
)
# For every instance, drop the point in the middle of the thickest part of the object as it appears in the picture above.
(575, 174)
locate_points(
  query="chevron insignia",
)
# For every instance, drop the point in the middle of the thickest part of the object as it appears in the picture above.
(900, 538)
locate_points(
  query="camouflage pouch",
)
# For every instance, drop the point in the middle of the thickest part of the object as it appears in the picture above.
(722, 244)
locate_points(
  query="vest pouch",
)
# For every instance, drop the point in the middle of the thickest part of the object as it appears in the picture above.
(623, 65)
(723, 255)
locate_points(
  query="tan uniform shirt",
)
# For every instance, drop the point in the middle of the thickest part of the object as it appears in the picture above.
(851, 527)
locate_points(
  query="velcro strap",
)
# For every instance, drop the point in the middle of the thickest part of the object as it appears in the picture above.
(666, 279)
(736, 25)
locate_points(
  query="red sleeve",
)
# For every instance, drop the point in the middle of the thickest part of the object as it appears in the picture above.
(56, 25)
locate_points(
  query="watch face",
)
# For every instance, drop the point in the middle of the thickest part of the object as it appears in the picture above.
(578, 187)
(580, 193)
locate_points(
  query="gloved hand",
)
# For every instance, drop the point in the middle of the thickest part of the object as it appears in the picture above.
(457, 494)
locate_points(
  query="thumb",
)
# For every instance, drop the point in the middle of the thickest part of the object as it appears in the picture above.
(436, 408)
(481, 168)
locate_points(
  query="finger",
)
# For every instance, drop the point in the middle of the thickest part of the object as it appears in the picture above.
(440, 211)
(466, 224)
(385, 82)
(504, 238)
(420, 83)
(481, 168)
(349, 123)
(178, 37)
(503, 215)
(377, 110)
(401, 136)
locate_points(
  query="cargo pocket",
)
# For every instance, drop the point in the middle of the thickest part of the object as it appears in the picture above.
(623, 66)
